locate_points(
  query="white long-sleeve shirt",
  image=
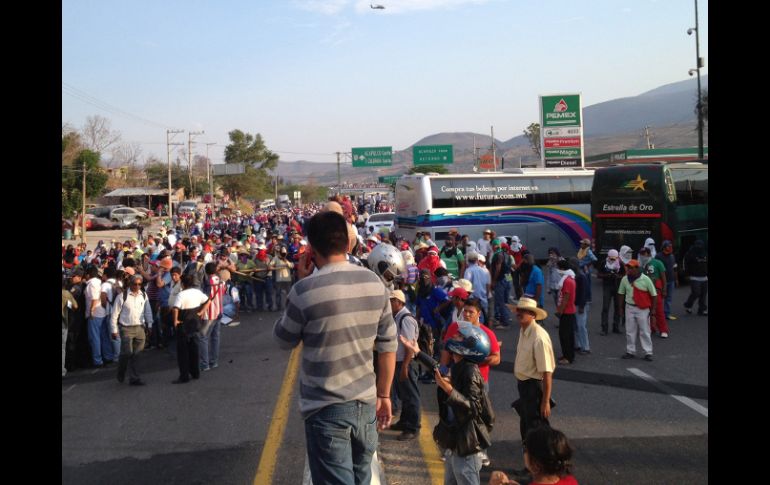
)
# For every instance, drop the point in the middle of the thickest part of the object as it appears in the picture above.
(135, 311)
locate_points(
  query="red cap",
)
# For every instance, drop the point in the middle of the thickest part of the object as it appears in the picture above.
(460, 293)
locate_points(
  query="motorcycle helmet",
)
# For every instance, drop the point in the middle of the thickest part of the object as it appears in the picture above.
(387, 262)
(471, 342)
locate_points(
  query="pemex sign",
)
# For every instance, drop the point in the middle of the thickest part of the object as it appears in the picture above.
(561, 132)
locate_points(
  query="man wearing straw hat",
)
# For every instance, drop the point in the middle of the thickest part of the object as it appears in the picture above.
(534, 366)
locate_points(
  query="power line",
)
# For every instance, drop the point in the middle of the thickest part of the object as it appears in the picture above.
(92, 100)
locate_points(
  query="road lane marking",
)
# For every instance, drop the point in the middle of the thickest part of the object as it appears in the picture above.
(267, 461)
(671, 392)
(430, 450)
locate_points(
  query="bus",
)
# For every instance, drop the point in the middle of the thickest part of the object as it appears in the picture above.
(663, 201)
(544, 207)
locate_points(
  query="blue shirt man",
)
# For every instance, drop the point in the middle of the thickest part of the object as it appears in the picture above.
(536, 278)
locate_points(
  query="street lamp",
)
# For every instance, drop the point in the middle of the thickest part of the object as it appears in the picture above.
(698, 65)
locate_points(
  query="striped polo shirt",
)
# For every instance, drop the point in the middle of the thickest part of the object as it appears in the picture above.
(340, 314)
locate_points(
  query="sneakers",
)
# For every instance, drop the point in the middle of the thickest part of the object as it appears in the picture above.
(705, 313)
(664, 335)
(234, 323)
(648, 357)
(584, 352)
(214, 366)
(628, 356)
(671, 317)
(407, 436)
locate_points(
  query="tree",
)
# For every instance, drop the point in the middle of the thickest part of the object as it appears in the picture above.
(533, 135)
(125, 154)
(71, 145)
(97, 134)
(257, 159)
(72, 181)
(439, 169)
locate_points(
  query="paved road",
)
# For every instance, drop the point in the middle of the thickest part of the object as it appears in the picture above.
(620, 415)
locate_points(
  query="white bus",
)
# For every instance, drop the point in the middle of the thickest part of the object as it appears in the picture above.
(544, 207)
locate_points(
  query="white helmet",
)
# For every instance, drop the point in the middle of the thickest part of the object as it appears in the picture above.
(386, 260)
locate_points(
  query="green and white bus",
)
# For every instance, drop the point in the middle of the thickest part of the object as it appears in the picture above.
(544, 208)
(663, 201)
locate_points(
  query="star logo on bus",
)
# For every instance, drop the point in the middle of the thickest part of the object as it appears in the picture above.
(637, 184)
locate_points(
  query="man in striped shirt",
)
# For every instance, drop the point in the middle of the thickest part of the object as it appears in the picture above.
(340, 314)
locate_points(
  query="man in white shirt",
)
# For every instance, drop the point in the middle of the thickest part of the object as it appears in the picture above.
(484, 245)
(133, 312)
(95, 313)
(189, 307)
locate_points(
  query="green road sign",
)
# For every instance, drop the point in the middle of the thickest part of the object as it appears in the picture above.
(433, 154)
(563, 110)
(561, 153)
(388, 179)
(373, 157)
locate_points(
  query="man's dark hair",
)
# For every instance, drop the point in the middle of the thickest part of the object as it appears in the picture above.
(327, 233)
(129, 263)
(188, 280)
(441, 271)
(210, 268)
(645, 250)
(562, 264)
(550, 449)
(110, 271)
(176, 269)
(92, 271)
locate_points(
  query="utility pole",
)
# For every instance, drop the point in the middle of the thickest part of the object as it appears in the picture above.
(338, 173)
(83, 215)
(189, 159)
(169, 212)
(648, 137)
(699, 64)
(208, 173)
(494, 158)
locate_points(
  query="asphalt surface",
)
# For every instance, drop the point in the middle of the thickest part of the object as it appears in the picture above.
(624, 428)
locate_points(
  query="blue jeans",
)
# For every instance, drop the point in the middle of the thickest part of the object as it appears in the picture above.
(259, 288)
(208, 344)
(98, 344)
(409, 394)
(246, 290)
(462, 470)
(581, 331)
(502, 294)
(667, 301)
(341, 439)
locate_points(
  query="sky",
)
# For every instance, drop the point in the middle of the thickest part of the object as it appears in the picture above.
(314, 77)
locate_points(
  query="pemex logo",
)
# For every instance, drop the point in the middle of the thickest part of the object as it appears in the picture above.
(560, 107)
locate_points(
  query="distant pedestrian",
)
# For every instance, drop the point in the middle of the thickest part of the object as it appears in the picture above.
(565, 311)
(552, 276)
(656, 271)
(696, 267)
(582, 306)
(611, 272)
(638, 296)
(666, 255)
(406, 372)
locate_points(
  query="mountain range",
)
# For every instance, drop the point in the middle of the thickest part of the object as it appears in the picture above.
(618, 124)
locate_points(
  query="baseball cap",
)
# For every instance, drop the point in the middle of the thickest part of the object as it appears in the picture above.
(633, 263)
(398, 295)
(460, 293)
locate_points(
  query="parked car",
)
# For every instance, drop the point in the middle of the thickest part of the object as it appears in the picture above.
(148, 212)
(100, 224)
(126, 216)
(187, 207)
(382, 219)
(103, 211)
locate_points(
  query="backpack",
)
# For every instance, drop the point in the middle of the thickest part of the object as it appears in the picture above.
(425, 338)
(125, 295)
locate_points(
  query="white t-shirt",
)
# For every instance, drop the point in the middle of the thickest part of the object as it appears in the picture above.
(190, 298)
(94, 292)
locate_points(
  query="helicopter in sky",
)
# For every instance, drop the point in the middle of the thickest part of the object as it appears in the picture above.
(377, 6)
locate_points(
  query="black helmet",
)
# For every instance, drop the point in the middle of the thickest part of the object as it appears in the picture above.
(471, 342)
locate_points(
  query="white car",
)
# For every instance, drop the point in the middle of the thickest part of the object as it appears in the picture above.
(126, 216)
(377, 221)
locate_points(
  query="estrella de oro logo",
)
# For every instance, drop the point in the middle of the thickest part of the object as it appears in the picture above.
(560, 107)
(637, 184)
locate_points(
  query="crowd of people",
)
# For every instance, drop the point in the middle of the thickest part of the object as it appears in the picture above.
(429, 314)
